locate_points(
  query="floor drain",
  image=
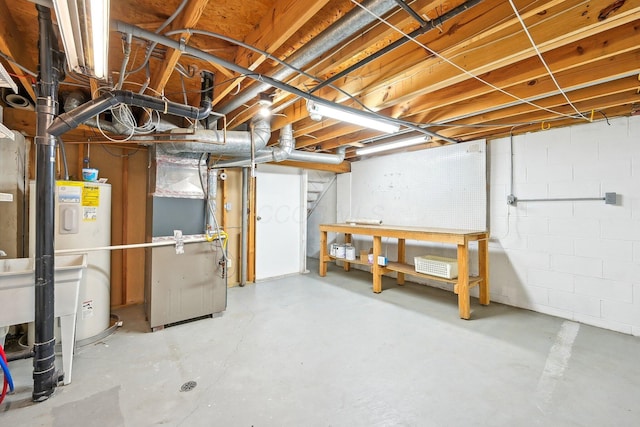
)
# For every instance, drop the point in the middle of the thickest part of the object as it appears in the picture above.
(188, 386)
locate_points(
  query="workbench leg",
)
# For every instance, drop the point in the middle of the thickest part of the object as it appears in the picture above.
(375, 268)
(347, 239)
(401, 260)
(464, 303)
(323, 254)
(483, 258)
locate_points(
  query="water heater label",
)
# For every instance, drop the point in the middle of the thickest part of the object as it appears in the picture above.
(89, 213)
(87, 309)
(91, 195)
(69, 192)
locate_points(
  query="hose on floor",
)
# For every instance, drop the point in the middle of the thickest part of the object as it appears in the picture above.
(8, 381)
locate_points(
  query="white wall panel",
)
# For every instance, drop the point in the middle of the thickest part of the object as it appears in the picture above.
(443, 187)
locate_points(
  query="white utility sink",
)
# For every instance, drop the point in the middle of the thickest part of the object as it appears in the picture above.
(17, 297)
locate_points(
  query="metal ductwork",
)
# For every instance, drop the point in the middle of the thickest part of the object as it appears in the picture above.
(232, 143)
(270, 81)
(342, 30)
(276, 153)
(329, 159)
(285, 151)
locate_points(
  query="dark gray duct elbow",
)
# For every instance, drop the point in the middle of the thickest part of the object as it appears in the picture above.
(72, 119)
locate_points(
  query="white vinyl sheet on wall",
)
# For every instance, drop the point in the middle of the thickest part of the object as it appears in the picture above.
(443, 187)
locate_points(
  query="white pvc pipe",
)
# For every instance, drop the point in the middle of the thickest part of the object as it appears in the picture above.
(131, 246)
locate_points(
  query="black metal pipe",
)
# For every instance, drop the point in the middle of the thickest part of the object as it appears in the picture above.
(453, 12)
(19, 355)
(44, 374)
(176, 44)
(72, 119)
(412, 12)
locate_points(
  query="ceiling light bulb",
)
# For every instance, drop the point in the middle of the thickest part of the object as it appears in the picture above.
(264, 112)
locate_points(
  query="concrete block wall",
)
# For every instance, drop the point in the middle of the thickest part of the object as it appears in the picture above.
(578, 260)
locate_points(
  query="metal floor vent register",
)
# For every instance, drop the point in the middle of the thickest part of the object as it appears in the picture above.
(437, 266)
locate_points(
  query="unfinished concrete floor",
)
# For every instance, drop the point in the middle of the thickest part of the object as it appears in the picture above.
(306, 351)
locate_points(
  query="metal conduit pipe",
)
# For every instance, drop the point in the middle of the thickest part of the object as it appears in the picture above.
(340, 31)
(189, 50)
(125, 61)
(391, 47)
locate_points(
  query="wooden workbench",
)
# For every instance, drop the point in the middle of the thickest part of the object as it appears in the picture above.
(461, 238)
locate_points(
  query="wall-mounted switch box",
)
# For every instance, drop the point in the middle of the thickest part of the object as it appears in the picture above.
(610, 198)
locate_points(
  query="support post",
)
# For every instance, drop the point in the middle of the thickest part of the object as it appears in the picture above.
(483, 258)
(464, 299)
(245, 227)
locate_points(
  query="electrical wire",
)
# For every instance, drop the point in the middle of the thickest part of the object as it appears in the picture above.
(267, 55)
(219, 233)
(535, 47)
(14, 62)
(111, 153)
(453, 64)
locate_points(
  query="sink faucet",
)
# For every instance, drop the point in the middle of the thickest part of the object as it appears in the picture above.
(3, 253)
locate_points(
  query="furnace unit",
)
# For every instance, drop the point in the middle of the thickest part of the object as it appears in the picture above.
(191, 285)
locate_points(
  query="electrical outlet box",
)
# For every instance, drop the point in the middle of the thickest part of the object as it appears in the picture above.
(610, 198)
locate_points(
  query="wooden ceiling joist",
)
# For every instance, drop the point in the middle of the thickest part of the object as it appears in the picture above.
(10, 39)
